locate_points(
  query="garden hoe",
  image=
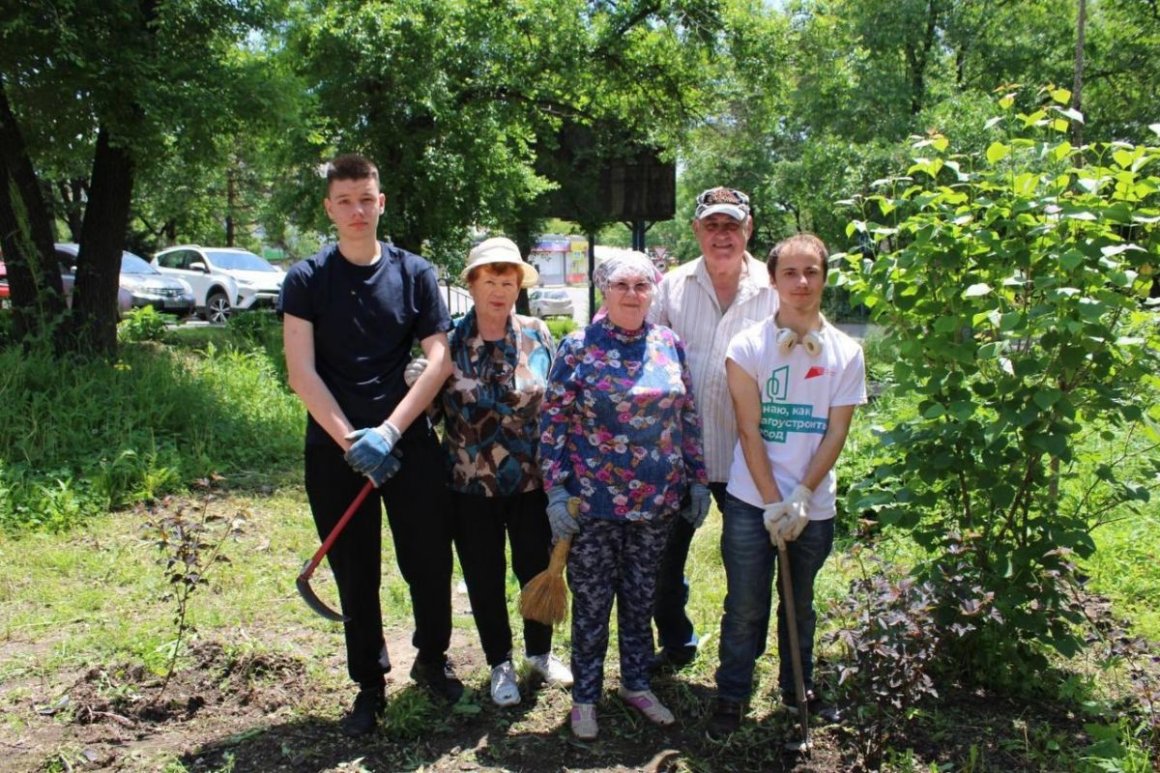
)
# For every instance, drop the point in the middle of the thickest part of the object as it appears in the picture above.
(799, 685)
(303, 582)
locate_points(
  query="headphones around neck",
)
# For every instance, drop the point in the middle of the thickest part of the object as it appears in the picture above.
(787, 339)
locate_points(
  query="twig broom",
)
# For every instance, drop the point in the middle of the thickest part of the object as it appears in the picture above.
(545, 597)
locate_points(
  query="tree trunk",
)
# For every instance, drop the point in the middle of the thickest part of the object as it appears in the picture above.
(231, 204)
(26, 238)
(94, 304)
(1077, 86)
(523, 234)
(72, 195)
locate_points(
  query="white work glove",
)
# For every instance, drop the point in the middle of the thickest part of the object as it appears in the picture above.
(560, 516)
(413, 370)
(698, 507)
(772, 517)
(797, 514)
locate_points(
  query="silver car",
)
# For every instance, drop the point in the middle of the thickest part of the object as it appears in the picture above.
(550, 303)
(140, 283)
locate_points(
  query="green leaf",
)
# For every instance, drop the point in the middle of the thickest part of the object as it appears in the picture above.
(934, 411)
(1060, 95)
(991, 350)
(1072, 259)
(977, 290)
(1070, 113)
(997, 151)
(1025, 183)
(1123, 158)
(1045, 398)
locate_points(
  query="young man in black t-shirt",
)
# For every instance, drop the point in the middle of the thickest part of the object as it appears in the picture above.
(351, 314)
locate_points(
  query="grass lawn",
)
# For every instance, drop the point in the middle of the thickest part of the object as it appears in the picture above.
(86, 630)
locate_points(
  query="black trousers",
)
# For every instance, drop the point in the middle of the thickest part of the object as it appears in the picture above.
(419, 513)
(481, 524)
(674, 628)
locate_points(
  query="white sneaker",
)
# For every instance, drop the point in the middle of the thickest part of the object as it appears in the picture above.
(504, 689)
(583, 721)
(552, 669)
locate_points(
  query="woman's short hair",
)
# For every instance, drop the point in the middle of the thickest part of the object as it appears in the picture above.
(497, 269)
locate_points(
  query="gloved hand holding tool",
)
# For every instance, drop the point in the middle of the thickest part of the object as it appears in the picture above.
(698, 507)
(797, 514)
(772, 517)
(545, 597)
(371, 453)
(563, 522)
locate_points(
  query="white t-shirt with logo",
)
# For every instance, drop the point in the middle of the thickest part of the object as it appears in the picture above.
(797, 393)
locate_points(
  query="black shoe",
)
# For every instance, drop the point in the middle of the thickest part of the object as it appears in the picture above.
(726, 719)
(829, 714)
(439, 678)
(672, 660)
(369, 705)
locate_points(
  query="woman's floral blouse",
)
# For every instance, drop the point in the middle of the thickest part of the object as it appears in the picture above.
(491, 406)
(619, 428)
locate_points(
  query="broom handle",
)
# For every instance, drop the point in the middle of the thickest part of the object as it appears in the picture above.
(559, 558)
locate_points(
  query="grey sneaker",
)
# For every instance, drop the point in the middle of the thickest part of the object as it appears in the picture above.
(504, 689)
(552, 669)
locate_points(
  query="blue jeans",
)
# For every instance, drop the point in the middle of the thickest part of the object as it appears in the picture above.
(749, 559)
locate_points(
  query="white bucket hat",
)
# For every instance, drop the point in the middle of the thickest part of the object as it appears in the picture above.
(499, 249)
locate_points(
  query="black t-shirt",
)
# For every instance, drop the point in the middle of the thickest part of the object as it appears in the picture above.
(366, 319)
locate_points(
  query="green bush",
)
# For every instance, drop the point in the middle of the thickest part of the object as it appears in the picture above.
(561, 326)
(1010, 281)
(143, 324)
(82, 438)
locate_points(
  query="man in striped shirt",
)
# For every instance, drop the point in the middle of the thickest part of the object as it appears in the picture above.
(707, 302)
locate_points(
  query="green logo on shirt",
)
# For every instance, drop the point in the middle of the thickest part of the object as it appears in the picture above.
(779, 418)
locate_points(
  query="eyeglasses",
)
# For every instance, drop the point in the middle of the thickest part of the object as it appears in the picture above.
(640, 288)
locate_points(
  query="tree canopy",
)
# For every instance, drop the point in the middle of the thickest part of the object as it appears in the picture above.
(150, 123)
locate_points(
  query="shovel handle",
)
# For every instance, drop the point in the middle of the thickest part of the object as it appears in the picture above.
(799, 685)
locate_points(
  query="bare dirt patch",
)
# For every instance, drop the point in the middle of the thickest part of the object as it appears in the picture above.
(260, 712)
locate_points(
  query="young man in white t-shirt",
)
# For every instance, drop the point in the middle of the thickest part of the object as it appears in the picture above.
(794, 380)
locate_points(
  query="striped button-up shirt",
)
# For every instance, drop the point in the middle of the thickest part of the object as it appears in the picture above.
(686, 302)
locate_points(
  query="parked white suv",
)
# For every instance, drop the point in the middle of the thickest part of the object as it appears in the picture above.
(223, 278)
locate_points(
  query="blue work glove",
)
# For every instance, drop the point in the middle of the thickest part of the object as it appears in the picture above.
(560, 516)
(387, 469)
(372, 446)
(698, 508)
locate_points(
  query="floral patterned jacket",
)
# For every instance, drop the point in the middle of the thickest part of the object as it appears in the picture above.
(619, 427)
(491, 406)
